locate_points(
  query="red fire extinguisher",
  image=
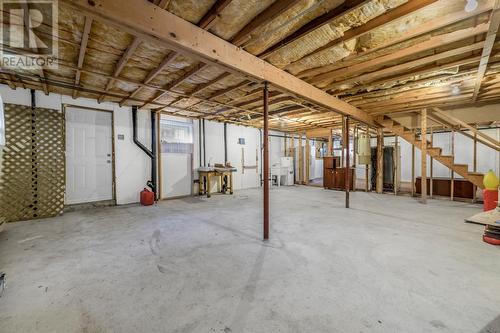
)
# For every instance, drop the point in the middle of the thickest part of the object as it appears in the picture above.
(147, 197)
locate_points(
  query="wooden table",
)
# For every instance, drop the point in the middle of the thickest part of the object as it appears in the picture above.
(224, 184)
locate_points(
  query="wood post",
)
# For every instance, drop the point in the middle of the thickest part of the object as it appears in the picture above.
(452, 185)
(396, 166)
(423, 150)
(342, 144)
(413, 170)
(301, 160)
(355, 155)
(431, 175)
(330, 144)
(285, 146)
(266, 162)
(347, 169)
(308, 161)
(367, 166)
(380, 160)
(474, 167)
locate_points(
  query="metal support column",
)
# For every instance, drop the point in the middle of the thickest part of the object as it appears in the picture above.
(266, 162)
(347, 169)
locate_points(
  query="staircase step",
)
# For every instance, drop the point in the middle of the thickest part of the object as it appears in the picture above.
(434, 151)
(446, 159)
(461, 169)
(476, 179)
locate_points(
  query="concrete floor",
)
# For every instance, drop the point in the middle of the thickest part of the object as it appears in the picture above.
(389, 264)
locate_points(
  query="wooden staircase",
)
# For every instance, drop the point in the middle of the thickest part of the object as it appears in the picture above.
(435, 152)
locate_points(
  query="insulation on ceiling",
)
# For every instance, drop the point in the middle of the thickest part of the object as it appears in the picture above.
(331, 31)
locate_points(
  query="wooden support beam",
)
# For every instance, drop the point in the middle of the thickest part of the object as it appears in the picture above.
(153, 73)
(380, 161)
(379, 21)
(423, 150)
(431, 43)
(81, 56)
(488, 47)
(120, 64)
(429, 26)
(211, 16)
(364, 78)
(428, 70)
(267, 15)
(142, 18)
(344, 8)
(177, 82)
(204, 86)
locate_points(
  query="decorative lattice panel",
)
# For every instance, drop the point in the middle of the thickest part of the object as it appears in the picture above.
(32, 182)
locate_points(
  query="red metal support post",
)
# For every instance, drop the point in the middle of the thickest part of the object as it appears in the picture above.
(347, 162)
(266, 162)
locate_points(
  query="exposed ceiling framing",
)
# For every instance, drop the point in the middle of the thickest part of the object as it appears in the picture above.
(362, 58)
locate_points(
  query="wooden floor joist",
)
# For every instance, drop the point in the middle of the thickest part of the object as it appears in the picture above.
(146, 20)
(488, 47)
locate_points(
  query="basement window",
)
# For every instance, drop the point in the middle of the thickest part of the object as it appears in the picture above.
(176, 136)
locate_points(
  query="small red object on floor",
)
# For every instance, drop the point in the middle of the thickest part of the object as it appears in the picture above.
(490, 198)
(147, 197)
(491, 240)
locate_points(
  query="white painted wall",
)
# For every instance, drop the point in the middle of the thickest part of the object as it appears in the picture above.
(487, 158)
(132, 165)
(214, 145)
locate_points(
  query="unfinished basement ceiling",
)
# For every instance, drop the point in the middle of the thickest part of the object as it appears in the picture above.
(383, 56)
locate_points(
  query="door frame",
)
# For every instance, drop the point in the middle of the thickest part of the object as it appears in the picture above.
(160, 165)
(113, 171)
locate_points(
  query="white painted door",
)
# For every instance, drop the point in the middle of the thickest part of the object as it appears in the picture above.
(89, 160)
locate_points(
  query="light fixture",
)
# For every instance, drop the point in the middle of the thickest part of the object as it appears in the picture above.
(471, 6)
(455, 89)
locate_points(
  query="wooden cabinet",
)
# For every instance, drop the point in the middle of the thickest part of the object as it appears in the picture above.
(442, 187)
(334, 175)
(332, 162)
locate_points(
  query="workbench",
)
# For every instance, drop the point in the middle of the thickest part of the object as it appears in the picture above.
(224, 180)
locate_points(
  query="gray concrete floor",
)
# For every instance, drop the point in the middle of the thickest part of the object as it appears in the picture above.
(389, 264)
